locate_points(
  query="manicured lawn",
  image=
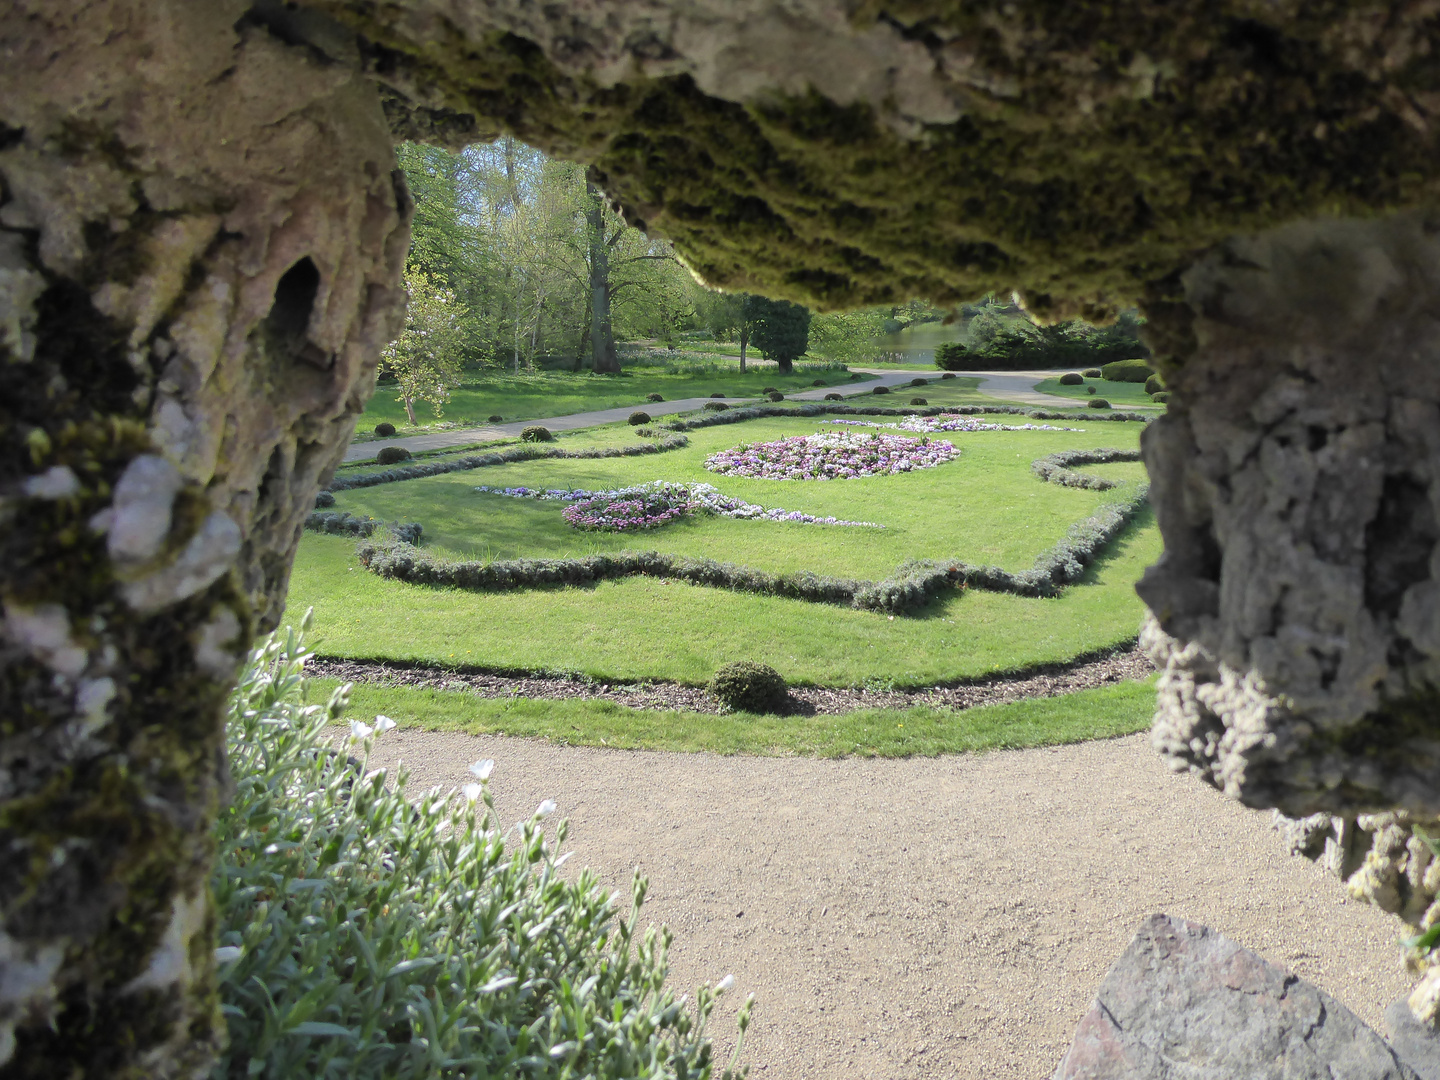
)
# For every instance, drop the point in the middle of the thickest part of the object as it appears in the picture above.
(525, 397)
(984, 507)
(1124, 395)
(1101, 713)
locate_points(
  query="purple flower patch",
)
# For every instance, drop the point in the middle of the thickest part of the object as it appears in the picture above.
(831, 455)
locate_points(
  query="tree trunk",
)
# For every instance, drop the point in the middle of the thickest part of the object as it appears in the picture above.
(410, 412)
(785, 365)
(201, 249)
(602, 338)
(744, 344)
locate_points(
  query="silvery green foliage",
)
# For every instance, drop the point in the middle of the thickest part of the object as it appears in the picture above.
(1055, 468)
(342, 524)
(528, 452)
(365, 932)
(913, 585)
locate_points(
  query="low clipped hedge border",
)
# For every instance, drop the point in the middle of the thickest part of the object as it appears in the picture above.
(1055, 468)
(527, 452)
(335, 523)
(757, 412)
(913, 585)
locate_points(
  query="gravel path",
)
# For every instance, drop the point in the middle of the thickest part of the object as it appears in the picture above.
(1044, 681)
(924, 918)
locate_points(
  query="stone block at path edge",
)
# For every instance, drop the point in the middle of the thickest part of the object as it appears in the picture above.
(1186, 1003)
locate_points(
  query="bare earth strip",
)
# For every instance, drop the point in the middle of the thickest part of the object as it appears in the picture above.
(922, 918)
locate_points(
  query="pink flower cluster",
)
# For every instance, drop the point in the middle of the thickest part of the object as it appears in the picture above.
(838, 455)
(619, 512)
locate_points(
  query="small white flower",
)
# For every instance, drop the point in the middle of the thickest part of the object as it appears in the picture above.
(359, 730)
(228, 953)
(471, 791)
(725, 984)
(546, 808)
(481, 769)
(384, 723)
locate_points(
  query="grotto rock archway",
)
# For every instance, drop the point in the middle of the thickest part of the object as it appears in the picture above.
(201, 238)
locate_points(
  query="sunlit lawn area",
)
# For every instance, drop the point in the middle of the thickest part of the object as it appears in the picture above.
(1124, 395)
(984, 507)
(526, 397)
(1101, 713)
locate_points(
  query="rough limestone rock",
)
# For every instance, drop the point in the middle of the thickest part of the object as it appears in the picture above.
(1415, 1043)
(1184, 1001)
(201, 234)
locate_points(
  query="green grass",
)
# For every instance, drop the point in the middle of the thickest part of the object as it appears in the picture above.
(1105, 712)
(527, 397)
(1125, 395)
(983, 507)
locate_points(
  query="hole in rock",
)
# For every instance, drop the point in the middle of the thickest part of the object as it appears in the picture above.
(1398, 543)
(289, 316)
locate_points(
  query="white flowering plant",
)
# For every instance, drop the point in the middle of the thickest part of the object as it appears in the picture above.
(367, 932)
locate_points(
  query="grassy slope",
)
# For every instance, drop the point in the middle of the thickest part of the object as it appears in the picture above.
(525, 397)
(1090, 714)
(983, 507)
(1120, 394)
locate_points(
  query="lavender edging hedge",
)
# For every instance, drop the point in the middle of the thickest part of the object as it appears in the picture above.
(1055, 468)
(526, 452)
(756, 412)
(335, 523)
(913, 585)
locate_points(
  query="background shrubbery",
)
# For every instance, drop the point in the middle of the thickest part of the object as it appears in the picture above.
(363, 935)
(999, 338)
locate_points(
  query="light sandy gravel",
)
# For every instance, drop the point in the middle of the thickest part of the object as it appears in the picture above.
(945, 917)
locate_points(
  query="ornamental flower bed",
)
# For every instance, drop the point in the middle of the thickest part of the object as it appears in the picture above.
(929, 425)
(832, 455)
(648, 506)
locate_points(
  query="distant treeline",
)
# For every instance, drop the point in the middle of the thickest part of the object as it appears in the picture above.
(1005, 338)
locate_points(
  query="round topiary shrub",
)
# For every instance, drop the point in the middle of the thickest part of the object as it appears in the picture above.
(880, 390)
(948, 375)
(385, 429)
(1094, 373)
(768, 390)
(1098, 403)
(653, 397)
(919, 382)
(834, 397)
(1161, 398)
(1154, 384)
(494, 418)
(392, 455)
(536, 433)
(747, 686)
(918, 401)
(855, 375)
(775, 395)
(324, 499)
(718, 393)
(716, 406)
(819, 382)
(1072, 378)
(1089, 389)
(637, 418)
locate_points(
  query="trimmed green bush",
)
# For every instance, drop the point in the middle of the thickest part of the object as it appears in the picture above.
(819, 382)
(1072, 378)
(1089, 389)
(653, 398)
(716, 406)
(365, 935)
(1094, 373)
(947, 375)
(1097, 403)
(1161, 398)
(324, 499)
(384, 429)
(1126, 371)
(392, 455)
(834, 397)
(918, 401)
(494, 418)
(1154, 384)
(718, 393)
(951, 356)
(880, 390)
(775, 395)
(747, 686)
(919, 382)
(855, 376)
(768, 390)
(637, 418)
(536, 433)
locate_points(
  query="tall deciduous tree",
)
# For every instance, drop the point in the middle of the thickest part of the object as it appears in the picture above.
(779, 329)
(425, 360)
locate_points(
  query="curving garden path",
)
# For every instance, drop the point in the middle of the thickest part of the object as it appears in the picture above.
(922, 918)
